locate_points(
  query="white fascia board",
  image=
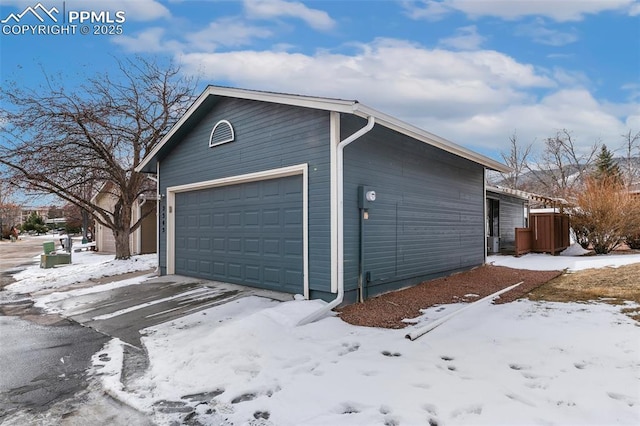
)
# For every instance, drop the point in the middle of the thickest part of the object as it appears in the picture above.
(196, 104)
(511, 192)
(429, 138)
(326, 104)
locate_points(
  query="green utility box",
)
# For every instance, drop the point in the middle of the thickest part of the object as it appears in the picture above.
(49, 247)
(50, 258)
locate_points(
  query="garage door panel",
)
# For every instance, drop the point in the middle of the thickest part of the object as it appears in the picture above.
(252, 191)
(219, 269)
(192, 265)
(292, 277)
(219, 245)
(234, 219)
(272, 276)
(252, 245)
(234, 246)
(235, 270)
(252, 218)
(271, 189)
(271, 217)
(271, 246)
(204, 244)
(252, 274)
(204, 220)
(293, 248)
(293, 217)
(204, 267)
(248, 233)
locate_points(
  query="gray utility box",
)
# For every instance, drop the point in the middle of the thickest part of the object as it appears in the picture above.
(493, 244)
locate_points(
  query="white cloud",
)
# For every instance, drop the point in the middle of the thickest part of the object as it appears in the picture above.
(540, 33)
(268, 9)
(138, 10)
(230, 32)
(474, 98)
(575, 109)
(430, 10)
(633, 89)
(558, 10)
(147, 41)
(434, 83)
(466, 38)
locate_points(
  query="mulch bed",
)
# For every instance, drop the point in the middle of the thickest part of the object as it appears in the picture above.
(388, 310)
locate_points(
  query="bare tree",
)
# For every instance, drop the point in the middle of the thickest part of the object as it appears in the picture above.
(561, 168)
(631, 143)
(68, 141)
(9, 210)
(517, 159)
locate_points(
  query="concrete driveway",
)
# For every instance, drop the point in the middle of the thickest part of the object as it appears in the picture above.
(122, 312)
(60, 388)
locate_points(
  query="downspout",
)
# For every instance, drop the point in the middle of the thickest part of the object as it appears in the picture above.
(314, 316)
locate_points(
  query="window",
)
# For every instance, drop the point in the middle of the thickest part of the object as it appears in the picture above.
(222, 133)
(493, 217)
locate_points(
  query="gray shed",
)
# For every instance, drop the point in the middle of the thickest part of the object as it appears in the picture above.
(315, 196)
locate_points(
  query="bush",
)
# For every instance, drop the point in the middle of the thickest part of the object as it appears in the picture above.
(633, 241)
(605, 215)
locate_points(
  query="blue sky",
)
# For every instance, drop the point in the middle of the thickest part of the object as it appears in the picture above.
(472, 71)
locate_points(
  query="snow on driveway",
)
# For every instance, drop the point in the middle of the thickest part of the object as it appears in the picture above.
(519, 363)
(247, 363)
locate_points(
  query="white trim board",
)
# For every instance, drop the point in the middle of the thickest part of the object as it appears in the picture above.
(327, 104)
(299, 169)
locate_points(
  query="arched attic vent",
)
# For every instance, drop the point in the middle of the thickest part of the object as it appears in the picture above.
(222, 133)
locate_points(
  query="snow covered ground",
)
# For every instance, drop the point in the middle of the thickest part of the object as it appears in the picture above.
(247, 363)
(85, 265)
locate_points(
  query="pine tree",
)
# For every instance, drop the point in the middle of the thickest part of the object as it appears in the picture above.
(606, 167)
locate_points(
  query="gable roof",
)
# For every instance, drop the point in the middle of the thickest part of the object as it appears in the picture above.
(211, 93)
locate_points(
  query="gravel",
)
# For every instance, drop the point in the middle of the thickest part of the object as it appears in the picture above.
(389, 309)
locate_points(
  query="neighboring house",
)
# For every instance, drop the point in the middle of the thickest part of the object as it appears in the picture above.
(25, 212)
(507, 209)
(141, 241)
(314, 196)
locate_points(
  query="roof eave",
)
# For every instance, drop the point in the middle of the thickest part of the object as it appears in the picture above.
(429, 138)
(147, 165)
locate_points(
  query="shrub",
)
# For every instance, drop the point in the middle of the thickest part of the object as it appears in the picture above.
(605, 215)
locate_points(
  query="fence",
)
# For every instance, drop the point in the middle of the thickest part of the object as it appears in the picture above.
(547, 233)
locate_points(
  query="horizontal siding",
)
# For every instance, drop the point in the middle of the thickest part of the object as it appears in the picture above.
(511, 217)
(427, 219)
(267, 136)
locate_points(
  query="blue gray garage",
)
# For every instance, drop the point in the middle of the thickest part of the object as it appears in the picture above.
(248, 233)
(323, 197)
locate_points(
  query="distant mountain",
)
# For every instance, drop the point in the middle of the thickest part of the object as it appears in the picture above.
(531, 181)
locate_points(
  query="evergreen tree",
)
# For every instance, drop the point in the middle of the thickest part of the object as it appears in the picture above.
(35, 223)
(606, 166)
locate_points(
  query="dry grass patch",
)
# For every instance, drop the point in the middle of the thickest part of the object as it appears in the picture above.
(611, 285)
